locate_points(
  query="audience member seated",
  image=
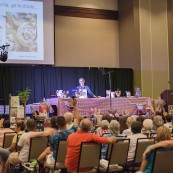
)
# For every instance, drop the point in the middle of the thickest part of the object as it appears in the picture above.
(49, 132)
(35, 115)
(136, 128)
(63, 133)
(23, 148)
(157, 122)
(163, 133)
(129, 122)
(168, 123)
(104, 128)
(122, 121)
(114, 128)
(140, 118)
(74, 141)
(147, 127)
(50, 152)
(4, 153)
(6, 128)
(69, 118)
(107, 117)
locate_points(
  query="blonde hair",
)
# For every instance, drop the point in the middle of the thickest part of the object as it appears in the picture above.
(114, 126)
(163, 133)
(68, 117)
(129, 121)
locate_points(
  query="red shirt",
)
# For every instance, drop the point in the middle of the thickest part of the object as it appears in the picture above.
(73, 147)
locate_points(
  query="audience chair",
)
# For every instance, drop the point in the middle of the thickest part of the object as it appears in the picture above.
(163, 161)
(141, 145)
(8, 138)
(60, 156)
(89, 156)
(117, 156)
(37, 146)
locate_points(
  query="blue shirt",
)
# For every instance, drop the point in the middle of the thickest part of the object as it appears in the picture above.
(89, 92)
(62, 135)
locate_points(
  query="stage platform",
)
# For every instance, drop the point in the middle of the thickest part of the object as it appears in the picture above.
(121, 104)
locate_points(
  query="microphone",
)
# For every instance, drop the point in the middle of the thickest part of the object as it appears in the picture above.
(3, 46)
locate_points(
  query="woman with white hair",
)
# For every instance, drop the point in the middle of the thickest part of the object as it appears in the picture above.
(104, 128)
(147, 127)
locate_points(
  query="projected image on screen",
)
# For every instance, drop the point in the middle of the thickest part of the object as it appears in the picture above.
(21, 32)
(28, 27)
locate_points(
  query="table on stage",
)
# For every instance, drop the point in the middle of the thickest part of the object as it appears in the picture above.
(120, 104)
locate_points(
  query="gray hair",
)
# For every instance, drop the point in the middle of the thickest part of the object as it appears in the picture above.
(85, 125)
(158, 121)
(148, 124)
(114, 126)
(104, 124)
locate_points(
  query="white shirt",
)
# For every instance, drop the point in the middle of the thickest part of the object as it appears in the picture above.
(127, 132)
(24, 152)
(133, 140)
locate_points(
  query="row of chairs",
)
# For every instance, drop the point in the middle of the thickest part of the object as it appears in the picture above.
(90, 154)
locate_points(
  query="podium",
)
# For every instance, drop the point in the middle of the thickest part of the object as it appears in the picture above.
(167, 96)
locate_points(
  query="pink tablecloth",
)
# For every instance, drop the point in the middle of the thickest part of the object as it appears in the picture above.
(120, 104)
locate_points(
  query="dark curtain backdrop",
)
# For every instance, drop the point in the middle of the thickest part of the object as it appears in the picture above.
(45, 80)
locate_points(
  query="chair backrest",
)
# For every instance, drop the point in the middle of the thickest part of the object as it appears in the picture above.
(163, 161)
(8, 137)
(119, 152)
(89, 155)
(61, 152)
(141, 145)
(37, 146)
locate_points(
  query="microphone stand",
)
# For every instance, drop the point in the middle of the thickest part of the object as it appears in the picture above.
(110, 84)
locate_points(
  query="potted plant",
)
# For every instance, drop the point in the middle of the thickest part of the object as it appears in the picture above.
(23, 96)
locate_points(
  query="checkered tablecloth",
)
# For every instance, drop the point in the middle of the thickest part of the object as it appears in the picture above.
(121, 104)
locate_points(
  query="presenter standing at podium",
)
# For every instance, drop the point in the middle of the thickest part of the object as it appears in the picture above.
(83, 87)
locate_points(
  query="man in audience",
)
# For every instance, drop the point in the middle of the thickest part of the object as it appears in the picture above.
(50, 152)
(136, 130)
(74, 141)
(64, 131)
(16, 158)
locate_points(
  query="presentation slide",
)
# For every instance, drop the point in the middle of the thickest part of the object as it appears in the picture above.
(24, 25)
